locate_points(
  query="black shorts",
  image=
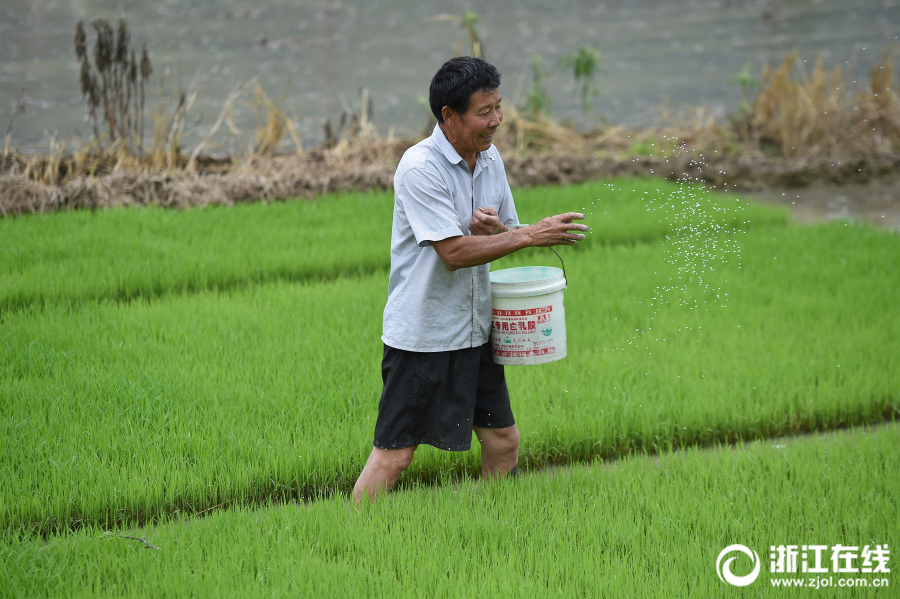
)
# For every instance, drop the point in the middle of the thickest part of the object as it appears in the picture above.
(437, 397)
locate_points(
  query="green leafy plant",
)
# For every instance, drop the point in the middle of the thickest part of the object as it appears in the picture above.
(584, 64)
(467, 22)
(537, 100)
(747, 83)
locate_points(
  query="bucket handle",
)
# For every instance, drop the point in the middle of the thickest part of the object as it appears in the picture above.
(565, 278)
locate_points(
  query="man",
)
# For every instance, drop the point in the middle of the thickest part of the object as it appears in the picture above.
(440, 382)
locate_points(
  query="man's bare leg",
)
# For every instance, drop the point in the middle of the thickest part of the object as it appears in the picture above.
(381, 471)
(499, 450)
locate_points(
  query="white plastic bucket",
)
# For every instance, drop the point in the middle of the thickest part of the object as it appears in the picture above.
(529, 315)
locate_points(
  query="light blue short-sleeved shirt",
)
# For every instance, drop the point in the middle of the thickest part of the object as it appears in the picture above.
(429, 308)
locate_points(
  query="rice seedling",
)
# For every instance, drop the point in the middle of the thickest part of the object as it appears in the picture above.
(128, 254)
(646, 526)
(122, 254)
(120, 413)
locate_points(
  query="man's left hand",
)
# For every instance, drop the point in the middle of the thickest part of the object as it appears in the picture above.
(486, 221)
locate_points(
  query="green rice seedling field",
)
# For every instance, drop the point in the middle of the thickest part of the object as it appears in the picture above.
(146, 252)
(157, 365)
(643, 527)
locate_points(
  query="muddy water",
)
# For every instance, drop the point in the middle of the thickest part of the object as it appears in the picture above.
(877, 203)
(656, 53)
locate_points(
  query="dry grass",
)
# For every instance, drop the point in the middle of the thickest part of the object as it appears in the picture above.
(796, 115)
(254, 178)
(789, 135)
(817, 114)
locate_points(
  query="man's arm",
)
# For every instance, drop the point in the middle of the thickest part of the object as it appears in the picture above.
(467, 251)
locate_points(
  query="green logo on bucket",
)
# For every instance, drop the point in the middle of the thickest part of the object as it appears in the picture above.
(547, 331)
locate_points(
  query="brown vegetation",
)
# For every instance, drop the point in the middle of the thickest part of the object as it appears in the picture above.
(801, 127)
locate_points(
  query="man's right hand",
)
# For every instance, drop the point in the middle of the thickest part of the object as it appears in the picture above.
(554, 230)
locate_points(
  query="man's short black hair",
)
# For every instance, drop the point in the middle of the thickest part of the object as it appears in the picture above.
(456, 81)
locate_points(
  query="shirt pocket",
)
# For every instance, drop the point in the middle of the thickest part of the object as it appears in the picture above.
(492, 201)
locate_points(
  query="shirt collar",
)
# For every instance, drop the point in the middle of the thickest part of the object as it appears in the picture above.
(445, 146)
(450, 152)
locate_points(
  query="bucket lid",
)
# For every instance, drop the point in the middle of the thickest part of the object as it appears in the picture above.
(526, 281)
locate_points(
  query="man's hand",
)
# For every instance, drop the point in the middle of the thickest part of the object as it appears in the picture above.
(486, 221)
(554, 230)
(465, 251)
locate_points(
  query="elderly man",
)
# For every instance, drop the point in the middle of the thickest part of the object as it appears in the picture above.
(440, 382)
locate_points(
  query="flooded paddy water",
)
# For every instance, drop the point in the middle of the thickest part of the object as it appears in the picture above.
(877, 203)
(657, 57)
(655, 54)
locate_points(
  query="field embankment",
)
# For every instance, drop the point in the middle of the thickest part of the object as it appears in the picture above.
(372, 167)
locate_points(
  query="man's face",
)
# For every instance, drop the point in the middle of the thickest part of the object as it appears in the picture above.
(474, 129)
